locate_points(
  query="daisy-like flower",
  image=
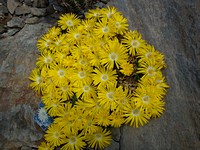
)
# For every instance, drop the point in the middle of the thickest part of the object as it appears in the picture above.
(42, 114)
(54, 107)
(54, 135)
(102, 118)
(100, 139)
(45, 60)
(74, 35)
(149, 68)
(74, 141)
(57, 44)
(85, 90)
(65, 90)
(37, 80)
(90, 126)
(116, 119)
(68, 21)
(102, 76)
(134, 42)
(53, 32)
(107, 96)
(93, 14)
(135, 116)
(58, 74)
(114, 54)
(127, 69)
(88, 25)
(109, 12)
(157, 109)
(81, 76)
(45, 146)
(104, 28)
(44, 43)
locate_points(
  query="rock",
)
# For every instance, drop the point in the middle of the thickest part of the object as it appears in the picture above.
(3, 10)
(28, 2)
(2, 2)
(116, 134)
(38, 11)
(18, 103)
(22, 10)
(2, 29)
(114, 146)
(13, 31)
(172, 26)
(12, 5)
(16, 22)
(40, 3)
(32, 20)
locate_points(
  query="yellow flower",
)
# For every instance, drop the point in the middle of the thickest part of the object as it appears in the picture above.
(37, 80)
(107, 96)
(57, 44)
(44, 43)
(134, 42)
(93, 14)
(109, 12)
(53, 32)
(104, 76)
(74, 141)
(45, 146)
(102, 118)
(90, 126)
(68, 21)
(45, 60)
(100, 139)
(135, 116)
(104, 28)
(117, 119)
(54, 135)
(127, 69)
(114, 54)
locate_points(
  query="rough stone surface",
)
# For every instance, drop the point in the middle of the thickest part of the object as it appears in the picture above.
(13, 31)
(173, 27)
(18, 103)
(22, 10)
(16, 22)
(12, 5)
(32, 20)
(114, 146)
(40, 3)
(38, 11)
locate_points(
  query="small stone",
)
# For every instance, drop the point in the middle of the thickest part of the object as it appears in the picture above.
(38, 11)
(16, 22)
(3, 10)
(32, 20)
(2, 29)
(2, 2)
(114, 146)
(116, 134)
(12, 32)
(40, 3)
(12, 5)
(22, 10)
(28, 2)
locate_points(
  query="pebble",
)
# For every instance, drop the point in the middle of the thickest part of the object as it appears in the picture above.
(32, 20)
(12, 5)
(16, 22)
(38, 11)
(22, 10)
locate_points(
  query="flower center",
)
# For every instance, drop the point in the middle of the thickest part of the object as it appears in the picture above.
(146, 98)
(105, 29)
(98, 137)
(39, 80)
(48, 60)
(69, 23)
(135, 43)
(151, 71)
(56, 135)
(72, 140)
(86, 88)
(136, 112)
(149, 55)
(113, 56)
(77, 35)
(61, 73)
(117, 25)
(110, 95)
(81, 74)
(104, 77)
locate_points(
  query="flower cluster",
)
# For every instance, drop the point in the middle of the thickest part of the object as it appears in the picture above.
(94, 74)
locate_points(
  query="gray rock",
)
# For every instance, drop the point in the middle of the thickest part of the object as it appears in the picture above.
(28, 2)
(13, 31)
(18, 103)
(12, 5)
(114, 146)
(40, 3)
(22, 10)
(173, 27)
(2, 2)
(32, 20)
(3, 10)
(116, 134)
(16, 22)
(2, 29)
(38, 11)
